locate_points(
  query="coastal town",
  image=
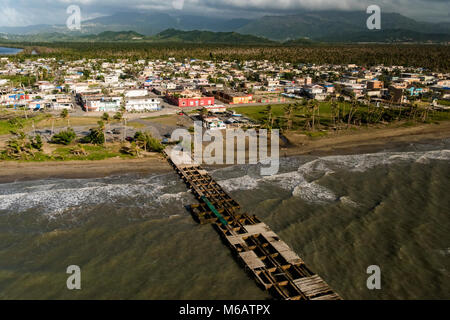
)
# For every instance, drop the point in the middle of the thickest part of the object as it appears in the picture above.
(213, 92)
(246, 157)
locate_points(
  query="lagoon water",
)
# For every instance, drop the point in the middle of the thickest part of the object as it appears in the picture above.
(133, 239)
(9, 51)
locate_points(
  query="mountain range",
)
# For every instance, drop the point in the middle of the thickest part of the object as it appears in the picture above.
(324, 26)
(167, 36)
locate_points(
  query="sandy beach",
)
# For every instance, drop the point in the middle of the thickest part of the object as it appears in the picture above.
(350, 142)
(11, 171)
(365, 140)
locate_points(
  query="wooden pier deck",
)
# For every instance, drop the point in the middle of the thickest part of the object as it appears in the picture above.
(275, 267)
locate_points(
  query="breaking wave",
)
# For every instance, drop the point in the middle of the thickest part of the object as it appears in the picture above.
(304, 182)
(57, 196)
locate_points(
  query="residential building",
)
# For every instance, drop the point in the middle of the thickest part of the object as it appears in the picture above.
(189, 98)
(234, 97)
(142, 104)
(109, 104)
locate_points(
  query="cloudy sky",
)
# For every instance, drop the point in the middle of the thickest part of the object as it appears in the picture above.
(30, 12)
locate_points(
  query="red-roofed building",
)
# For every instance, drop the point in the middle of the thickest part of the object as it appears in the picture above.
(188, 98)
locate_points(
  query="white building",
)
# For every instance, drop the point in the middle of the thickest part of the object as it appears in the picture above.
(142, 104)
(103, 105)
(111, 79)
(315, 92)
(216, 108)
(136, 93)
(62, 106)
(46, 86)
(213, 123)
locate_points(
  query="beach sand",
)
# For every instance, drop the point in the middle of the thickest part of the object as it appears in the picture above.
(350, 142)
(365, 140)
(11, 171)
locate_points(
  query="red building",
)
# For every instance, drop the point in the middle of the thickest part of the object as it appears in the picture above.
(190, 99)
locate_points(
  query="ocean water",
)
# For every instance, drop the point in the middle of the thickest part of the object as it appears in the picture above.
(133, 238)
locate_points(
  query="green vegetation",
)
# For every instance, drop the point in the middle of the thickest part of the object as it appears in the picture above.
(87, 152)
(388, 35)
(343, 25)
(118, 116)
(14, 121)
(22, 147)
(433, 57)
(64, 137)
(105, 117)
(312, 117)
(145, 141)
(204, 37)
(19, 80)
(96, 136)
(112, 36)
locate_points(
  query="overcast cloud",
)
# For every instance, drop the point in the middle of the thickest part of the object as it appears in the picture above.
(29, 12)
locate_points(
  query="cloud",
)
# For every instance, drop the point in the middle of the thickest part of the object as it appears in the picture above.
(53, 11)
(10, 16)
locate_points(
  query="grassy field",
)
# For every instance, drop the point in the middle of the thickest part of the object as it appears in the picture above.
(16, 121)
(259, 114)
(66, 153)
(93, 153)
(324, 116)
(72, 121)
(41, 121)
(136, 125)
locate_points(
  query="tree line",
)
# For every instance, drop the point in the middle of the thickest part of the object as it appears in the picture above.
(432, 57)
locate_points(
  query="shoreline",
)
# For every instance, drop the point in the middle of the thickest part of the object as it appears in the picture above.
(13, 171)
(365, 140)
(362, 141)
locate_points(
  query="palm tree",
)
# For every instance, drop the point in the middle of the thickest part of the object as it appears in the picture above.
(204, 112)
(288, 111)
(106, 119)
(65, 115)
(317, 109)
(312, 107)
(123, 108)
(101, 125)
(269, 115)
(118, 116)
(426, 113)
(353, 109)
(334, 112)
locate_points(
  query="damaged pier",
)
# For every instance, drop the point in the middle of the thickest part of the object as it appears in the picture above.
(270, 261)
